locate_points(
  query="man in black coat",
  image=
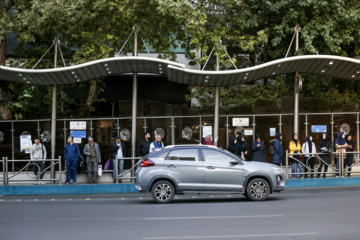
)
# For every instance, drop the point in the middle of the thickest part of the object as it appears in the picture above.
(144, 145)
(118, 150)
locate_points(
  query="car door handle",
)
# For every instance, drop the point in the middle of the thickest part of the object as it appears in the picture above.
(210, 167)
(171, 166)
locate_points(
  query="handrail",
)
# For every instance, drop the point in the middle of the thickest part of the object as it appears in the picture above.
(338, 167)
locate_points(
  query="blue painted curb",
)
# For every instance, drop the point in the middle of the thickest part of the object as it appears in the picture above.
(127, 188)
(68, 189)
(322, 182)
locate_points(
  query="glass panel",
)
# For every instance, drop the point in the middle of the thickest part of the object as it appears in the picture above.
(215, 156)
(187, 130)
(184, 155)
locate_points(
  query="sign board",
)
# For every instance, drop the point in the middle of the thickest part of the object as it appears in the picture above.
(25, 143)
(248, 132)
(272, 132)
(78, 134)
(207, 130)
(77, 125)
(318, 128)
(240, 122)
(77, 140)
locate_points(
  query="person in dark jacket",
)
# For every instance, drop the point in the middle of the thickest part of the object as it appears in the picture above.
(349, 155)
(144, 145)
(340, 143)
(71, 155)
(258, 149)
(242, 149)
(118, 150)
(325, 147)
(278, 155)
(233, 144)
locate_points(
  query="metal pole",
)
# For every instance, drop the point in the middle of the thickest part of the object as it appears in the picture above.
(296, 87)
(12, 147)
(60, 172)
(134, 107)
(38, 127)
(3, 163)
(227, 130)
(116, 170)
(53, 117)
(332, 136)
(172, 130)
(200, 130)
(216, 112)
(280, 124)
(287, 163)
(306, 125)
(357, 131)
(6, 171)
(254, 124)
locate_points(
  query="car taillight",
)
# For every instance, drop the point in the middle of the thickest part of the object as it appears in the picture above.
(147, 163)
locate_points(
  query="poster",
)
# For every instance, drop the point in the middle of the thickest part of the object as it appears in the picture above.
(78, 125)
(25, 143)
(318, 128)
(207, 130)
(236, 122)
(78, 134)
(248, 132)
(272, 132)
(77, 140)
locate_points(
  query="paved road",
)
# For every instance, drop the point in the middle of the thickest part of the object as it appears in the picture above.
(294, 214)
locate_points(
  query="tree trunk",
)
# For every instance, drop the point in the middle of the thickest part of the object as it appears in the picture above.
(96, 87)
(5, 113)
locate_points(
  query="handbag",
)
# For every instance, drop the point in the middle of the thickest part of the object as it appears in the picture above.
(107, 165)
(99, 170)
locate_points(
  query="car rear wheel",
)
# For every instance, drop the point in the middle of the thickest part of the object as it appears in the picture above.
(258, 189)
(163, 192)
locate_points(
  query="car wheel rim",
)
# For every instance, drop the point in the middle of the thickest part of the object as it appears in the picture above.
(258, 190)
(163, 192)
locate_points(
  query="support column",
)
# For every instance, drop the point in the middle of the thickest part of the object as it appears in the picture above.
(296, 87)
(216, 112)
(134, 107)
(53, 116)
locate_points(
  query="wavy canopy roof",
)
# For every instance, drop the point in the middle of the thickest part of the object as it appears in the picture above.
(336, 66)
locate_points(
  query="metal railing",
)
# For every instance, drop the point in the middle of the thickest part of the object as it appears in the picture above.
(132, 169)
(31, 176)
(338, 168)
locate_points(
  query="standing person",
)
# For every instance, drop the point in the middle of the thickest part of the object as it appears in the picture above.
(208, 140)
(93, 157)
(258, 149)
(118, 150)
(295, 147)
(72, 154)
(278, 155)
(340, 143)
(242, 149)
(156, 144)
(233, 144)
(308, 147)
(325, 147)
(144, 145)
(38, 155)
(349, 155)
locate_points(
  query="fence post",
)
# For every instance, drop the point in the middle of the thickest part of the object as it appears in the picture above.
(341, 162)
(3, 163)
(6, 172)
(287, 163)
(60, 172)
(116, 170)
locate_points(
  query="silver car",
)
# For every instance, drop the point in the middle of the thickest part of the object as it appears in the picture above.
(183, 169)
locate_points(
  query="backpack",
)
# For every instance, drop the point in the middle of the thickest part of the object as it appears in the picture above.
(272, 150)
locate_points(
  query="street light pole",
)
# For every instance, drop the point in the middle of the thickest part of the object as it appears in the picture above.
(297, 86)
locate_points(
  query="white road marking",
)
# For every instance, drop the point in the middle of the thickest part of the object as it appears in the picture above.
(235, 236)
(213, 217)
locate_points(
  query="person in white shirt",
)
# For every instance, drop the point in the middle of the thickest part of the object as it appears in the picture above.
(38, 155)
(156, 144)
(118, 149)
(308, 147)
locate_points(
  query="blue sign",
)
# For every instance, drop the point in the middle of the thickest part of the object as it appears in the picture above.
(318, 128)
(78, 134)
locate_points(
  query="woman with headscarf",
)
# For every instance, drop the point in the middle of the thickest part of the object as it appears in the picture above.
(349, 155)
(278, 155)
(242, 148)
(308, 147)
(325, 147)
(208, 140)
(295, 147)
(258, 149)
(340, 143)
(233, 144)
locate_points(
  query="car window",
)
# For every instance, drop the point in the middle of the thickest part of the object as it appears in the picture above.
(183, 155)
(213, 156)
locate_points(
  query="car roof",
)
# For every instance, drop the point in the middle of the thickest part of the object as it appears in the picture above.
(191, 145)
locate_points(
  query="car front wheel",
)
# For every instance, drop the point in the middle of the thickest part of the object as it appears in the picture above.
(163, 192)
(258, 189)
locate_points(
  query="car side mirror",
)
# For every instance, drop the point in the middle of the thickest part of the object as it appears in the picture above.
(234, 161)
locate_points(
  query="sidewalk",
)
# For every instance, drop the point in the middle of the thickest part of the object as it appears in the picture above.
(130, 188)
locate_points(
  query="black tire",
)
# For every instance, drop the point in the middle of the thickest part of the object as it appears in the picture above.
(258, 189)
(163, 192)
